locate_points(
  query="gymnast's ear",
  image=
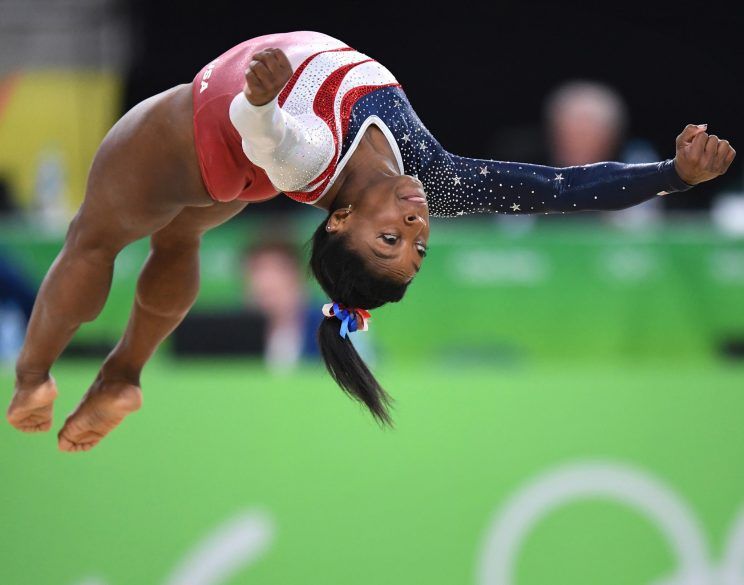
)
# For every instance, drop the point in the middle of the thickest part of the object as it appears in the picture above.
(337, 219)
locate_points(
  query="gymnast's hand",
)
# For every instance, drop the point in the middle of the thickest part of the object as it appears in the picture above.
(701, 157)
(266, 75)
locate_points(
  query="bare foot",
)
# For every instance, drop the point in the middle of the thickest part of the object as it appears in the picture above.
(103, 407)
(30, 409)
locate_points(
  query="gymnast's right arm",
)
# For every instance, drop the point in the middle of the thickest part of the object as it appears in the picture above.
(293, 150)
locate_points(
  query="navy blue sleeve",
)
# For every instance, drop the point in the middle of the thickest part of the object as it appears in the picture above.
(457, 185)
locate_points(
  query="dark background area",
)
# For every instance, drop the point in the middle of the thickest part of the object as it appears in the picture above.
(474, 71)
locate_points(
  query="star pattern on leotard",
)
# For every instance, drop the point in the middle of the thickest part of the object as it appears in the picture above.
(457, 186)
(454, 186)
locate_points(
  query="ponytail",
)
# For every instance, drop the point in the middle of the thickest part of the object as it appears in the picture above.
(350, 372)
(345, 278)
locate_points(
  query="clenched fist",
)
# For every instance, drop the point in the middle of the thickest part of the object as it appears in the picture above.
(701, 157)
(266, 75)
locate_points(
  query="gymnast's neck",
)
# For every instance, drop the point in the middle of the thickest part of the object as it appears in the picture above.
(373, 160)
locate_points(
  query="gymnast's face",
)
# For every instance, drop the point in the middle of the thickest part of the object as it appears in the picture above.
(387, 225)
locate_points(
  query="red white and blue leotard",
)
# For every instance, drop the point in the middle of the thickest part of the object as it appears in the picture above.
(299, 142)
(227, 173)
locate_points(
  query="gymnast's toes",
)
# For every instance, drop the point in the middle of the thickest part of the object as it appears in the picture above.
(103, 407)
(30, 409)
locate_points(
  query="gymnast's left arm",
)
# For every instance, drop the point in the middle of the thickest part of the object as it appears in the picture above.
(459, 185)
(292, 150)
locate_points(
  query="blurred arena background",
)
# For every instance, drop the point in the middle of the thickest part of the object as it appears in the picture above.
(568, 389)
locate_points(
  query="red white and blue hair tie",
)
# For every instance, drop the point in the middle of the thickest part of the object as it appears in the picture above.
(351, 319)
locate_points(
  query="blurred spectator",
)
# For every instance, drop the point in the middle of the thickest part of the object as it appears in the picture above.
(586, 122)
(15, 288)
(275, 285)
(583, 122)
(17, 297)
(278, 319)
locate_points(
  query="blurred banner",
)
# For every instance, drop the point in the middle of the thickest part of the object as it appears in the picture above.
(561, 291)
(51, 123)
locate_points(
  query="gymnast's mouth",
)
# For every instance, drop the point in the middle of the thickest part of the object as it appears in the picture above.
(413, 193)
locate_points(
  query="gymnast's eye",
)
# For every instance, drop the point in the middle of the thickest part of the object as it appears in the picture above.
(421, 248)
(389, 239)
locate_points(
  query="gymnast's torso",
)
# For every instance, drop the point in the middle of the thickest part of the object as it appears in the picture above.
(329, 77)
(299, 142)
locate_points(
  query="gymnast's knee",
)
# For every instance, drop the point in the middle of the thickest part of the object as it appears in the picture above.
(151, 300)
(169, 284)
(172, 241)
(92, 243)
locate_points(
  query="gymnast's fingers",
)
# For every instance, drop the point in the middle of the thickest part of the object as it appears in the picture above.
(262, 73)
(278, 63)
(253, 82)
(271, 58)
(724, 156)
(730, 155)
(689, 132)
(282, 60)
(265, 57)
(711, 145)
(709, 154)
(275, 65)
(697, 146)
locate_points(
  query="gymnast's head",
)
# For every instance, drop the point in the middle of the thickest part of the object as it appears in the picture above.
(364, 254)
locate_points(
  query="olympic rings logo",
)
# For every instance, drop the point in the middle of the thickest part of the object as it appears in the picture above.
(622, 484)
(237, 543)
(231, 547)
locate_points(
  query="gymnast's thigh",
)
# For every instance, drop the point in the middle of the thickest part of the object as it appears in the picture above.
(145, 171)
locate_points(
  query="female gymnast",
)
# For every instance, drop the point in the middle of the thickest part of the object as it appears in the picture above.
(303, 114)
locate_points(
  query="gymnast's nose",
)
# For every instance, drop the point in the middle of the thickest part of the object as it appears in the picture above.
(414, 222)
